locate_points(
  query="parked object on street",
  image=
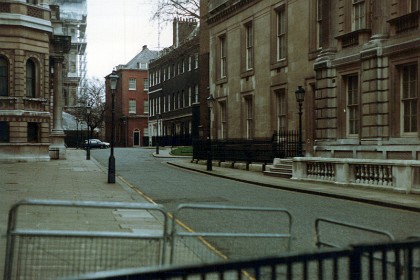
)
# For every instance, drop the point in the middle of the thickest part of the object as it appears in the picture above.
(95, 143)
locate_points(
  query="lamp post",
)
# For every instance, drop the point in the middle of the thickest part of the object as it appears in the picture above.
(111, 162)
(88, 128)
(300, 97)
(210, 104)
(157, 134)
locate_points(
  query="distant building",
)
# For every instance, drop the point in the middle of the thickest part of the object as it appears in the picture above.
(131, 102)
(73, 15)
(174, 87)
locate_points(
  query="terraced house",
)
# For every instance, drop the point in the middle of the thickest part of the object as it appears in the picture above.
(358, 63)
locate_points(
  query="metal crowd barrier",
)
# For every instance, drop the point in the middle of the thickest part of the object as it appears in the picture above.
(328, 264)
(362, 229)
(200, 243)
(33, 253)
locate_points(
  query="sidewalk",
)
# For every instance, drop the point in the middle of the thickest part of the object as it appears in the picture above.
(368, 195)
(74, 179)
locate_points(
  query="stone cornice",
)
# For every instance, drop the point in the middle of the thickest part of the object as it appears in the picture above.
(25, 21)
(228, 9)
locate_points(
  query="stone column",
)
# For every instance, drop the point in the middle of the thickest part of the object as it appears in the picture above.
(57, 147)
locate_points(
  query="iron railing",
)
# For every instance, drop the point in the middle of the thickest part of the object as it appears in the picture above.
(395, 260)
(282, 144)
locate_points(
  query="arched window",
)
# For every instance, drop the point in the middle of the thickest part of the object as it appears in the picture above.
(30, 79)
(4, 77)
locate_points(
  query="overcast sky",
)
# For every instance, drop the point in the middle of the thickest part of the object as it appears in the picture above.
(117, 31)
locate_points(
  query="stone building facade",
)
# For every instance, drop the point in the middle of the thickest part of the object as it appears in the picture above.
(358, 63)
(366, 110)
(174, 87)
(26, 82)
(131, 102)
(367, 103)
(258, 56)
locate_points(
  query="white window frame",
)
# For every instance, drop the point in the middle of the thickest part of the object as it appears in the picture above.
(249, 117)
(281, 33)
(352, 104)
(281, 110)
(132, 83)
(223, 56)
(249, 44)
(146, 106)
(132, 106)
(409, 100)
(358, 20)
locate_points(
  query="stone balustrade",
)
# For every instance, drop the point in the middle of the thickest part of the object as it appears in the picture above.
(397, 175)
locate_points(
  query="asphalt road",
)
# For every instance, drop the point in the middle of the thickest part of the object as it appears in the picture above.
(172, 186)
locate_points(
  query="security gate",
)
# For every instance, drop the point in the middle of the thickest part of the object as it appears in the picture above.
(41, 246)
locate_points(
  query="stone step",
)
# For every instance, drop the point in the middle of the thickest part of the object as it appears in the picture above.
(280, 168)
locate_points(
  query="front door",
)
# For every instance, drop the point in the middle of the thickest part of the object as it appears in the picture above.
(136, 139)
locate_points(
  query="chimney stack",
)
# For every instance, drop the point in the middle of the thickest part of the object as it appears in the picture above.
(182, 28)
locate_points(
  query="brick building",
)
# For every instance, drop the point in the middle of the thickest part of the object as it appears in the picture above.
(131, 102)
(174, 87)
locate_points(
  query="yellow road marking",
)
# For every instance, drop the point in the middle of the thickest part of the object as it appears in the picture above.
(186, 227)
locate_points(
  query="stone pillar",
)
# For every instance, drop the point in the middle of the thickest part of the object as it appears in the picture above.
(57, 146)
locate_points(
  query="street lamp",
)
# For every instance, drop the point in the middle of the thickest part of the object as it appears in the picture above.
(111, 162)
(210, 104)
(300, 97)
(88, 128)
(157, 134)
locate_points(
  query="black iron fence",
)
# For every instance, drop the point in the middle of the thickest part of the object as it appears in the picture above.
(395, 260)
(281, 145)
(170, 141)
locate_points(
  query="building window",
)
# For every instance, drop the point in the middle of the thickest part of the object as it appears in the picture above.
(146, 84)
(30, 79)
(281, 110)
(196, 61)
(4, 132)
(190, 101)
(33, 132)
(352, 90)
(409, 98)
(146, 106)
(358, 15)
(131, 84)
(249, 44)
(132, 106)
(319, 16)
(169, 72)
(196, 93)
(223, 120)
(190, 61)
(281, 33)
(249, 117)
(222, 57)
(4, 77)
(414, 5)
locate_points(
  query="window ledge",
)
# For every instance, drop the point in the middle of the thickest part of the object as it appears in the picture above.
(278, 64)
(34, 99)
(247, 73)
(221, 81)
(405, 22)
(354, 38)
